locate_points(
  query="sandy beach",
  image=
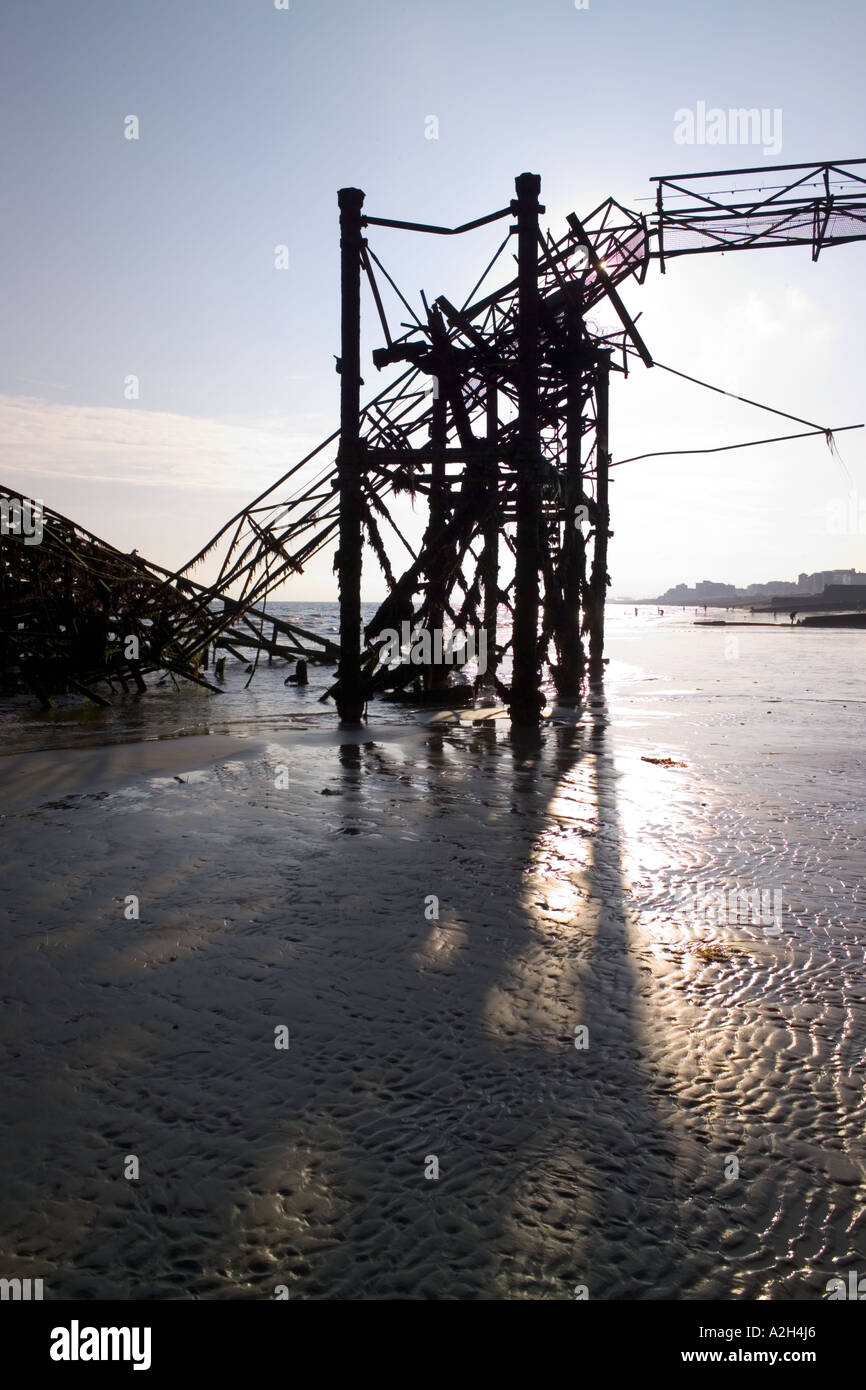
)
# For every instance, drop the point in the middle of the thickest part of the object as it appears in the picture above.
(436, 912)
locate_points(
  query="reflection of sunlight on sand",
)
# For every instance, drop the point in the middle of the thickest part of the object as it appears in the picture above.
(668, 862)
(557, 905)
(658, 845)
(650, 860)
(445, 939)
(602, 1135)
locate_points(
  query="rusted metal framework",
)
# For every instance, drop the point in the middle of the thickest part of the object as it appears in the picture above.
(497, 419)
(814, 205)
(75, 613)
(513, 375)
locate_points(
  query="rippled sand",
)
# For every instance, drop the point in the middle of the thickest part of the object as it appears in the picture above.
(559, 865)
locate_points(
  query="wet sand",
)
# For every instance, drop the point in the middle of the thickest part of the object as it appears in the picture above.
(558, 864)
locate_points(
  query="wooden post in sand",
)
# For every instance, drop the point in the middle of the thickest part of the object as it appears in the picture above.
(350, 694)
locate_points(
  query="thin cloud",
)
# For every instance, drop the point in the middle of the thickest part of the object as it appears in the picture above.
(147, 449)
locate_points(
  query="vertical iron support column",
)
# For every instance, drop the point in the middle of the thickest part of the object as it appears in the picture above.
(490, 553)
(568, 638)
(526, 698)
(436, 677)
(598, 580)
(350, 694)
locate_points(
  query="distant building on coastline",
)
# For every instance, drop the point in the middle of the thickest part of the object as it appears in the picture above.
(703, 592)
(712, 594)
(817, 583)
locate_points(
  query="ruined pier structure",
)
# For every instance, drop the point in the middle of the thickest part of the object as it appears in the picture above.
(494, 420)
(497, 422)
(505, 432)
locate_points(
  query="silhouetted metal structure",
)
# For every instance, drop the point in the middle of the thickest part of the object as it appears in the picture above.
(816, 205)
(77, 615)
(75, 612)
(492, 420)
(497, 417)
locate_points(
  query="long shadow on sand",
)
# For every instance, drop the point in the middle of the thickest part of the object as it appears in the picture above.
(486, 1146)
(435, 933)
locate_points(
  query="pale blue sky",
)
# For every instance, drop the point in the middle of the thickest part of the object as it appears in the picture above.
(155, 257)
